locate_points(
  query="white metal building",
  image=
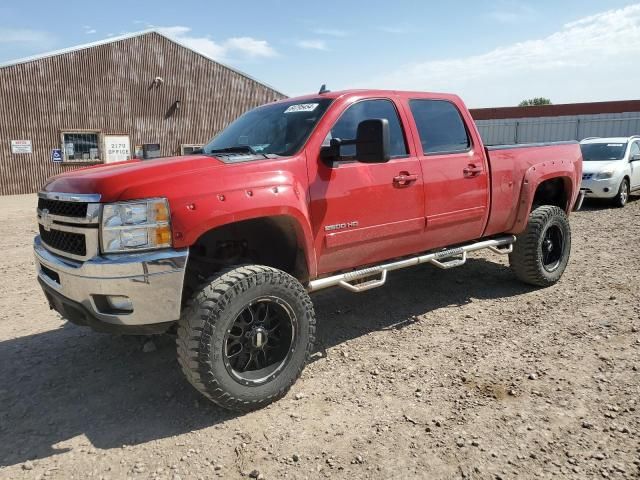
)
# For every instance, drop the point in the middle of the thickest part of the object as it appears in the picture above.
(550, 123)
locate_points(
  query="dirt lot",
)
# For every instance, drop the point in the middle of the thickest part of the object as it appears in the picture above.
(442, 374)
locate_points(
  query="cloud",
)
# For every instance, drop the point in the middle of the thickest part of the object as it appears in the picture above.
(584, 58)
(312, 44)
(511, 12)
(27, 38)
(89, 30)
(250, 47)
(247, 47)
(330, 32)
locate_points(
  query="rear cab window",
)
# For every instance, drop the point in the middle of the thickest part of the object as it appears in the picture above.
(440, 126)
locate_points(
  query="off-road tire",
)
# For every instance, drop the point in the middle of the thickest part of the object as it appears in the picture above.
(209, 315)
(622, 197)
(526, 260)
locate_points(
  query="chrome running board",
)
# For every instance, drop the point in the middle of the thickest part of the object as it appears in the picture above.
(373, 277)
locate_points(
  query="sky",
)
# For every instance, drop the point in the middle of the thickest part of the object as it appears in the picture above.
(490, 52)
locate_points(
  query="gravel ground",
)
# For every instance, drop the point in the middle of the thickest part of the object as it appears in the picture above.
(441, 374)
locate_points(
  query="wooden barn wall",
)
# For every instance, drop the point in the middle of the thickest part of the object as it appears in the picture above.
(108, 88)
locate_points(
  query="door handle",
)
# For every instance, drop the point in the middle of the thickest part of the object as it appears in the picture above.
(471, 170)
(404, 178)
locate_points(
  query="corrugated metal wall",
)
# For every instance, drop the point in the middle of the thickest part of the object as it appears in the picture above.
(108, 88)
(551, 129)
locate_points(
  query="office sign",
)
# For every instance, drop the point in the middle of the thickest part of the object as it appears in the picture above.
(117, 148)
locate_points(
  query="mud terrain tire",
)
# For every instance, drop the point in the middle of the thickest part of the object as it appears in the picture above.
(541, 253)
(235, 325)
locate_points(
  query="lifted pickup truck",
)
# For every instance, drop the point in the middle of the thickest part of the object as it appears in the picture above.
(332, 189)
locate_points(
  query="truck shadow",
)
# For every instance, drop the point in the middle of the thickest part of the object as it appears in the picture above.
(408, 294)
(70, 382)
(67, 382)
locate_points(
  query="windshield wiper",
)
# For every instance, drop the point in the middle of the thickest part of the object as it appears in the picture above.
(236, 149)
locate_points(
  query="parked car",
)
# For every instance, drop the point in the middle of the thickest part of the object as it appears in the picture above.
(612, 168)
(325, 190)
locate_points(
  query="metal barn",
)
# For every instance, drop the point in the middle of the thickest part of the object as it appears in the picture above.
(139, 95)
(550, 123)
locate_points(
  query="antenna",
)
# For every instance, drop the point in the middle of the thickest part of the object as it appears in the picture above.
(323, 89)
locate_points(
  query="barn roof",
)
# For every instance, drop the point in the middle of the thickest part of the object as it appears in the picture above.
(119, 38)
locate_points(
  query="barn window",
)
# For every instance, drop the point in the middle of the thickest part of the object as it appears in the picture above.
(190, 149)
(81, 146)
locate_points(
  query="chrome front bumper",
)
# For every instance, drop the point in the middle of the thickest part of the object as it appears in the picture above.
(152, 281)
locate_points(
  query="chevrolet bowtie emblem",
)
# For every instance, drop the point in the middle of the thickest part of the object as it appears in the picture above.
(45, 220)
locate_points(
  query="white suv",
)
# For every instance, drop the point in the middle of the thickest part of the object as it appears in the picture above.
(611, 168)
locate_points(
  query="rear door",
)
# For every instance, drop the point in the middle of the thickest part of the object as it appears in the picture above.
(455, 171)
(365, 213)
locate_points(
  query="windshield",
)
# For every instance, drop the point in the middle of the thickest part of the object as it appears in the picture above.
(278, 129)
(603, 151)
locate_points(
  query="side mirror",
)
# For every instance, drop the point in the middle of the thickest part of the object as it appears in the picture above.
(372, 141)
(635, 158)
(331, 153)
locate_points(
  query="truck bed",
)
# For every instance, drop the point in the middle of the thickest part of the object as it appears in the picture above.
(514, 168)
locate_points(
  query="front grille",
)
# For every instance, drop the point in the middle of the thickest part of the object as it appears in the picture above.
(68, 242)
(63, 209)
(587, 176)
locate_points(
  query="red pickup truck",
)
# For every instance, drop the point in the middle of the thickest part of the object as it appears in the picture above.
(333, 189)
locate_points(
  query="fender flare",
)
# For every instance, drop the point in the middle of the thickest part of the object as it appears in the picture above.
(302, 229)
(536, 175)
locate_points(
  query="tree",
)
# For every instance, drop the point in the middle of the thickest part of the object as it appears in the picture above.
(534, 102)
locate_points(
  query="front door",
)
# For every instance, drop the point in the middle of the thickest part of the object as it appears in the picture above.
(365, 213)
(635, 166)
(456, 177)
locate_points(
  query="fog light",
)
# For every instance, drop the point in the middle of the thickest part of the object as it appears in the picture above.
(120, 302)
(606, 189)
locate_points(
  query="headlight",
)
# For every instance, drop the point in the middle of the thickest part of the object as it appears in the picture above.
(138, 225)
(604, 175)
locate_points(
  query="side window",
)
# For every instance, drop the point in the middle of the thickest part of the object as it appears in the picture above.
(347, 125)
(440, 126)
(635, 149)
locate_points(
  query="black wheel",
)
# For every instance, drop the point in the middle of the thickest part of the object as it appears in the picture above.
(245, 337)
(541, 253)
(621, 199)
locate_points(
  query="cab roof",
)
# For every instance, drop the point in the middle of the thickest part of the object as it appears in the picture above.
(372, 93)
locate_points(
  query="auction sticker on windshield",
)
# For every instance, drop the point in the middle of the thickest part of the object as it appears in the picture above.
(301, 107)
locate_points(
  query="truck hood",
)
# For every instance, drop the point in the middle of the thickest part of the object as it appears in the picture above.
(112, 181)
(598, 166)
